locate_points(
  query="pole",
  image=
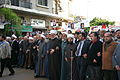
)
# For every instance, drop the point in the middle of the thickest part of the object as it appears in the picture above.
(71, 63)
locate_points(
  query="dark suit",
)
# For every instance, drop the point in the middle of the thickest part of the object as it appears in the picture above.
(94, 68)
(81, 61)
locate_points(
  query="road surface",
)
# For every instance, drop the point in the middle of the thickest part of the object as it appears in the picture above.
(21, 74)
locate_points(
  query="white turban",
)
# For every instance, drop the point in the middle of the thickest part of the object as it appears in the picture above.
(30, 38)
(42, 36)
(53, 32)
(64, 33)
(14, 36)
(8, 37)
(70, 36)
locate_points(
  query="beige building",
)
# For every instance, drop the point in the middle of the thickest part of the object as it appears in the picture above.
(40, 14)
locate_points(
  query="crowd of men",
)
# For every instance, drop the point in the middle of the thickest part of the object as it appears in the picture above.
(64, 55)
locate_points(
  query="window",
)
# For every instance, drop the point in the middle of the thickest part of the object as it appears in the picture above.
(43, 2)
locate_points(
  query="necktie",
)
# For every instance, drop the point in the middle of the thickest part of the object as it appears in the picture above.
(78, 49)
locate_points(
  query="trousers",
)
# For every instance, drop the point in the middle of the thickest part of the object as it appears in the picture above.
(6, 62)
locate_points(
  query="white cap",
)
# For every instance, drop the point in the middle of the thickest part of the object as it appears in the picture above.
(31, 38)
(64, 33)
(14, 36)
(70, 36)
(8, 37)
(53, 32)
(42, 36)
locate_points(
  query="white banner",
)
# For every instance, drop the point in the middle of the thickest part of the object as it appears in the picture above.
(37, 23)
(86, 23)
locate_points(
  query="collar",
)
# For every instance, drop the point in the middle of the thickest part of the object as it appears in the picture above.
(95, 41)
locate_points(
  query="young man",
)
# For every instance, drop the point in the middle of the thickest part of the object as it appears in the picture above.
(5, 56)
(81, 55)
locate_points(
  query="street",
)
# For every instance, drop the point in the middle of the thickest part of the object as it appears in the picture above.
(21, 74)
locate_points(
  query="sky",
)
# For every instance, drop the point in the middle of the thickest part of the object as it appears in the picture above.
(106, 9)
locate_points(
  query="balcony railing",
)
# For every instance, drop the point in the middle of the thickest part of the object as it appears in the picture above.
(18, 3)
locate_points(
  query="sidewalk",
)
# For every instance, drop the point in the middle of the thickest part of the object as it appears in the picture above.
(21, 74)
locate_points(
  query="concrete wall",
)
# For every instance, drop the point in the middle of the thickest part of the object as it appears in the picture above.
(42, 8)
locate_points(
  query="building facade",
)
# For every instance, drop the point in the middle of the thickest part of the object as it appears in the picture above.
(40, 14)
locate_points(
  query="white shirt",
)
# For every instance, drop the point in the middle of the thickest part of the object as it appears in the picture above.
(80, 49)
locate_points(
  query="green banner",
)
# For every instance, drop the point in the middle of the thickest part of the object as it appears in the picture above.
(23, 28)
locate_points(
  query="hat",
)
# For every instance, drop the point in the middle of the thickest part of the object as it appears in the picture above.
(64, 33)
(53, 32)
(31, 38)
(14, 36)
(70, 36)
(42, 36)
(8, 37)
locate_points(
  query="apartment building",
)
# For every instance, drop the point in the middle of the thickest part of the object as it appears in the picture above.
(40, 14)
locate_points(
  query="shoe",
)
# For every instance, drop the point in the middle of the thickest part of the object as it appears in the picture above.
(0, 75)
(11, 74)
(36, 76)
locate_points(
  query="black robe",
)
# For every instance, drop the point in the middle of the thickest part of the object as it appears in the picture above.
(54, 60)
(71, 65)
(14, 54)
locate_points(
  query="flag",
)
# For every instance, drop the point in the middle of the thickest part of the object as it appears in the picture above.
(104, 26)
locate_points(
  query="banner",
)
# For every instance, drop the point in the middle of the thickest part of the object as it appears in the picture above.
(24, 28)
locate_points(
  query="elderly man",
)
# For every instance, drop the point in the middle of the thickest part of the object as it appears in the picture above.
(5, 55)
(70, 59)
(63, 64)
(14, 52)
(108, 49)
(40, 64)
(54, 56)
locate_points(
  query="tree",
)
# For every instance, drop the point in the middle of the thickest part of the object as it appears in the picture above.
(98, 21)
(13, 19)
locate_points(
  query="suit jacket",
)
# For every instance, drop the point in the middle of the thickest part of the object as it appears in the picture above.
(93, 51)
(5, 50)
(85, 47)
(116, 56)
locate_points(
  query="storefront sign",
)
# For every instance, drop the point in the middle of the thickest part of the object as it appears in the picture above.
(37, 23)
(24, 28)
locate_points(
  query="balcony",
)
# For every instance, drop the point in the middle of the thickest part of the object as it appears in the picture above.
(17, 3)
